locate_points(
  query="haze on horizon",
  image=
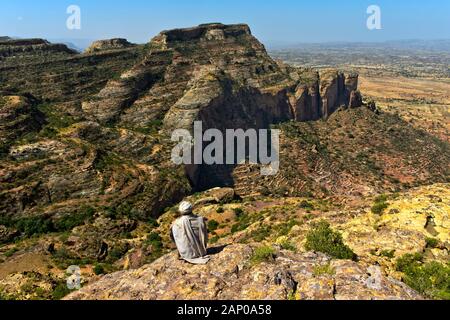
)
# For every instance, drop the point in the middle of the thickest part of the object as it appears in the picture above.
(281, 22)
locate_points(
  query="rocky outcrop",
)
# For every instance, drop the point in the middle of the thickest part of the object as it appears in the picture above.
(12, 47)
(355, 100)
(110, 44)
(55, 73)
(18, 116)
(232, 274)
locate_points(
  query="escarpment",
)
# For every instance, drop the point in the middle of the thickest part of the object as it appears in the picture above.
(12, 47)
(98, 130)
(55, 73)
(223, 76)
(197, 69)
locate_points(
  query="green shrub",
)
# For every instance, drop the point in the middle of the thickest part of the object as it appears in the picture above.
(388, 253)
(325, 269)
(323, 239)
(213, 225)
(214, 239)
(123, 210)
(155, 240)
(378, 208)
(306, 205)
(238, 212)
(220, 210)
(5, 297)
(408, 260)
(260, 234)
(380, 205)
(432, 242)
(431, 279)
(60, 291)
(153, 223)
(287, 245)
(10, 252)
(54, 118)
(154, 237)
(63, 259)
(263, 254)
(99, 269)
(68, 222)
(34, 226)
(117, 252)
(243, 221)
(105, 161)
(285, 228)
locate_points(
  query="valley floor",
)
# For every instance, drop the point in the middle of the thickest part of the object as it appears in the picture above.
(423, 102)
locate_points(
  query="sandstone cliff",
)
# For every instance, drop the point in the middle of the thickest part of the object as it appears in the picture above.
(110, 44)
(116, 106)
(219, 73)
(55, 73)
(223, 76)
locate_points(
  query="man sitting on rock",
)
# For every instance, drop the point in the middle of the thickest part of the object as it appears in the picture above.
(190, 235)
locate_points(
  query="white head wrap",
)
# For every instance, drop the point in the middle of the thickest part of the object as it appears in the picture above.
(185, 208)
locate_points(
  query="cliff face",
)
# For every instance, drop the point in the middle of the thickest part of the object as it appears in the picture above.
(109, 44)
(55, 73)
(204, 70)
(112, 111)
(223, 76)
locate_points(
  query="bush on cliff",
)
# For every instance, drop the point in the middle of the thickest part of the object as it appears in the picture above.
(324, 239)
(431, 279)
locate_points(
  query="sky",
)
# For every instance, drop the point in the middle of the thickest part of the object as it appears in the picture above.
(272, 21)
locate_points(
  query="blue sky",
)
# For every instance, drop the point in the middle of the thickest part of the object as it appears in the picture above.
(281, 21)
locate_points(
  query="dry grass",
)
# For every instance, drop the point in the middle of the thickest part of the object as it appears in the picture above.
(423, 102)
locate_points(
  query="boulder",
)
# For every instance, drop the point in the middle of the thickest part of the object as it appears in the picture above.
(215, 196)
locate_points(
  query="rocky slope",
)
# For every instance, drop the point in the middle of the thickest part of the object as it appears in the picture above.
(231, 274)
(356, 152)
(237, 270)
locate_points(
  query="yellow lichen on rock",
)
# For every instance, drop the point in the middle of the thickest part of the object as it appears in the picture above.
(405, 225)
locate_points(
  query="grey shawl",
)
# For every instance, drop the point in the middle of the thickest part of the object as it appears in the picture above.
(191, 237)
